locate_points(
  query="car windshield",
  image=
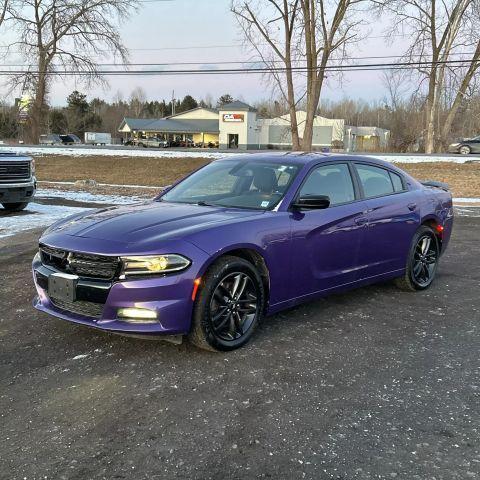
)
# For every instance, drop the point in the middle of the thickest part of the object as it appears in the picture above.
(252, 184)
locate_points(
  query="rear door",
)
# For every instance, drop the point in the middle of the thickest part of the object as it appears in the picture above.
(392, 216)
(326, 242)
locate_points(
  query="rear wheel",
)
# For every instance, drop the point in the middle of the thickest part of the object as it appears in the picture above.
(465, 150)
(14, 207)
(422, 261)
(229, 305)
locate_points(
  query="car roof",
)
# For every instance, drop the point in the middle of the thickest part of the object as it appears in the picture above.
(306, 158)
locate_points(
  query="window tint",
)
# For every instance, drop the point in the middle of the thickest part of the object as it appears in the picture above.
(397, 182)
(375, 181)
(332, 180)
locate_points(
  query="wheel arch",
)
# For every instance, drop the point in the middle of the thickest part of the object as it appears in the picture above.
(252, 254)
(433, 222)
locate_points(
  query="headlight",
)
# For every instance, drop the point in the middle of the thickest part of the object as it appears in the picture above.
(152, 264)
(454, 144)
(32, 166)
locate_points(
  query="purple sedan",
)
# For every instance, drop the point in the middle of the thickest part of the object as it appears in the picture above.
(239, 239)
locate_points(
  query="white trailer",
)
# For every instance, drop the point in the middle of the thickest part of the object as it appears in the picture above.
(95, 138)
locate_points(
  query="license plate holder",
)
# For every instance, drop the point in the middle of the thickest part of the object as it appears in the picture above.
(62, 286)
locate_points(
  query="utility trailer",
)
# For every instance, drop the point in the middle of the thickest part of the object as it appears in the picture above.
(95, 138)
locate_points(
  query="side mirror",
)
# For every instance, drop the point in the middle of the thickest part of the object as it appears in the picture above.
(312, 202)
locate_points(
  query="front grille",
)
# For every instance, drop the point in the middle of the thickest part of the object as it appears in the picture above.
(81, 264)
(14, 171)
(86, 309)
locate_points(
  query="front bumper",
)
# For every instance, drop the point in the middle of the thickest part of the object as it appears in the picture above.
(18, 192)
(97, 302)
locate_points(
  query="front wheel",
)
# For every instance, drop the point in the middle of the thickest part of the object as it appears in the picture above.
(228, 306)
(14, 207)
(465, 150)
(422, 261)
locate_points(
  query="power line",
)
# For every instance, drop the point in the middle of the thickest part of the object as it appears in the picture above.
(204, 47)
(244, 62)
(331, 68)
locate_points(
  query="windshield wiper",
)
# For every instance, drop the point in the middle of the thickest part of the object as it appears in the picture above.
(201, 203)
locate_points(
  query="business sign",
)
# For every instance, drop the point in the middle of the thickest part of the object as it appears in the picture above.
(23, 104)
(233, 117)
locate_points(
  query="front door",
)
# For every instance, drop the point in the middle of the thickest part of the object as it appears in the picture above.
(232, 140)
(326, 242)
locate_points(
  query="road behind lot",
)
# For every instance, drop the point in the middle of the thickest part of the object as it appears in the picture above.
(373, 384)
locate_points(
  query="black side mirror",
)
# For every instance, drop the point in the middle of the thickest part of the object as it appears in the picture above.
(312, 202)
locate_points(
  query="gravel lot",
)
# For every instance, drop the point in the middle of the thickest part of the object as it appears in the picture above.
(373, 384)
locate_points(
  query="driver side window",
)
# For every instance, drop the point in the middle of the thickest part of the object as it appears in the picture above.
(334, 181)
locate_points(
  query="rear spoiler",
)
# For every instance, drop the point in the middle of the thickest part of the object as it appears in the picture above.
(435, 184)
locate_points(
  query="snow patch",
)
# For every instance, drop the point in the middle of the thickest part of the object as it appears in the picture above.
(34, 216)
(466, 200)
(421, 158)
(113, 152)
(80, 357)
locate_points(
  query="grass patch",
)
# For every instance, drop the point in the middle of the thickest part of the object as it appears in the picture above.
(464, 179)
(116, 170)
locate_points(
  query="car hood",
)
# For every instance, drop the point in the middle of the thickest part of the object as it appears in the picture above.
(146, 222)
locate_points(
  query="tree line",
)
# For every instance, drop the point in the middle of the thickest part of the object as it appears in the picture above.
(81, 115)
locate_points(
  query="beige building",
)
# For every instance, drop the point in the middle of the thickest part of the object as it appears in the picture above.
(236, 126)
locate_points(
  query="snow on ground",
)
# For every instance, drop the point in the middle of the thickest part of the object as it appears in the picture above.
(87, 197)
(119, 151)
(34, 216)
(467, 211)
(114, 152)
(422, 158)
(466, 200)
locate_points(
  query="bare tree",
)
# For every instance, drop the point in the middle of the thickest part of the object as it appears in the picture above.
(303, 35)
(465, 76)
(3, 10)
(327, 34)
(62, 37)
(274, 23)
(435, 29)
(138, 97)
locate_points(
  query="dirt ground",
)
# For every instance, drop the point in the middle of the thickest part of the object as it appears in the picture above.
(464, 179)
(371, 384)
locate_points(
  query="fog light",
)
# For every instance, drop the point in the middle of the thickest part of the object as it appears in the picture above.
(141, 315)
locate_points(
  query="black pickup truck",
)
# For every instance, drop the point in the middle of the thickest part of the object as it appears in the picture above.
(17, 181)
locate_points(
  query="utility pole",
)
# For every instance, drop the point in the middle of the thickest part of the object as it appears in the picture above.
(173, 102)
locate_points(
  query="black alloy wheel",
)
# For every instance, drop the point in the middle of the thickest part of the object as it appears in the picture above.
(234, 306)
(425, 260)
(422, 261)
(229, 305)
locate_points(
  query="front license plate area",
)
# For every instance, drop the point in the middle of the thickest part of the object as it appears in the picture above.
(62, 286)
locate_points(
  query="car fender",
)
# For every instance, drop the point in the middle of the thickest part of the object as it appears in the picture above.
(232, 248)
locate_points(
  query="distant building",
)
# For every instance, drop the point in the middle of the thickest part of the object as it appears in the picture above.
(366, 139)
(237, 126)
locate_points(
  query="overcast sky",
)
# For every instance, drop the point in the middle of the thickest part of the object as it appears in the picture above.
(205, 31)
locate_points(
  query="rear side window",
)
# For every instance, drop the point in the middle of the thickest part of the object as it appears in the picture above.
(397, 182)
(375, 181)
(334, 181)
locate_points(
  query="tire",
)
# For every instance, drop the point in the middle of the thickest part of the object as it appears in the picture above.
(236, 316)
(14, 207)
(465, 150)
(421, 265)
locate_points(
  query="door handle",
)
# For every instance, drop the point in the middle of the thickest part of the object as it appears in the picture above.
(412, 206)
(361, 221)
